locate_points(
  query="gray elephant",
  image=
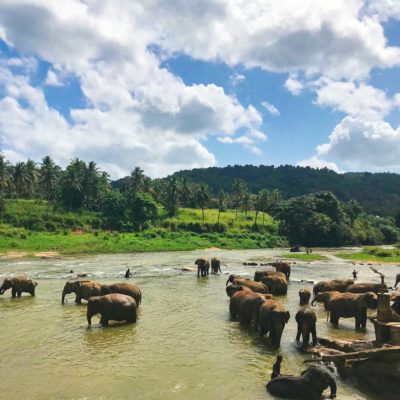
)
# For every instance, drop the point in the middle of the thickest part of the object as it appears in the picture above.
(282, 266)
(203, 267)
(124, 288)
(272, 319)
(237, 298)
(232, 289)
(352, 305)
(114, 306)
(82, 290)
(324, 297)
(367, 287)
(259, 275)
(253, 285)
(339, 285)
(306, 325)
(18, 285)
(305, 296)
(215, 266)
(309, 386)
(276, 283)
(397, 280)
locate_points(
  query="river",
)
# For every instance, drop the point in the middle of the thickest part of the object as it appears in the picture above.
(184, 345)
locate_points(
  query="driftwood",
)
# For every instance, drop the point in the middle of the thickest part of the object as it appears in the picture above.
(382, 354)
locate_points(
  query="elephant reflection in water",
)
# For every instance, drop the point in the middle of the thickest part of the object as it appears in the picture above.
(309, 386)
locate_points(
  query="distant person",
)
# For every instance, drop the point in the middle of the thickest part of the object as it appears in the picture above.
(128, 273)
(276, 368)
(71, 272)
(355, 274)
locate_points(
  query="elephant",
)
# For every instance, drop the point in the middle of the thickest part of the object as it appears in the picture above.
(272, 320)
(324, 297)
(282, 266)
(339, 285)
(397, 280)
(308, 386)
(249, 307)
(114, 306)
(259, 275)
(215, 265)
(82, 290)
(232, 289)
(19, 284)
(306, 324)
(348, 305)
(305, 296)
(203, 267)
(295, 249)
(124, 288)
(277, 284)
(237, 298)
(366, 287)
(253, 285)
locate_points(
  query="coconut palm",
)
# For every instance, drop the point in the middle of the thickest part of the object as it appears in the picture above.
(246, 203)
(202, 197)
(20, 179)
(136, 179)
(49, 173)
(238, 190)
(221, 202)
(172, 196)
(5, 175)
(32, 177)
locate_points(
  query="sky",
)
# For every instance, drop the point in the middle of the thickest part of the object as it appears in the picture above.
(175, 84)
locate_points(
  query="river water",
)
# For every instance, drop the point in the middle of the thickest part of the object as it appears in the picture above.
(184, 345)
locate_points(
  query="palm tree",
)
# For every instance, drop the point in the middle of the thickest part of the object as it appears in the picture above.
(202, 197)
(246, 202)
(32, 177)
(172, 196)
(74, 181)
(264, 202)
(48, 177)
(221, 202)
(257, 205)
(91, 185)
(20, 179)
(238, 189)
(5, 175)
(186, 192)
(136, 179)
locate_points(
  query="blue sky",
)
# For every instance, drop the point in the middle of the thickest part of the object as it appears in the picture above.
(179, 85)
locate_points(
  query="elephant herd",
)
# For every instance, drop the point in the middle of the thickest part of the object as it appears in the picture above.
(117, 302)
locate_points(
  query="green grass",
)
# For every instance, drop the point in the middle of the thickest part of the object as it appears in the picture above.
(152, 240)
(304, 256)
(373, 254)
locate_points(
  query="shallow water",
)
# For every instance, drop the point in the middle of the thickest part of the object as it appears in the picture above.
(184, 345)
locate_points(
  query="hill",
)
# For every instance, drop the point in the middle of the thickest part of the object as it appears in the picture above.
(378, 193)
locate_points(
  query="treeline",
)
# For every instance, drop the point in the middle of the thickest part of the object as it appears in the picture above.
(138, 202)
(378, 193)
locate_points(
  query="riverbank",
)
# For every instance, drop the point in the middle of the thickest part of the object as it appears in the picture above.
(374, 255)
(39, 243)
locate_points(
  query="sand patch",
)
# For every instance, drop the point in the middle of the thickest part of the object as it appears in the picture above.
(212, 249)
(21, 254)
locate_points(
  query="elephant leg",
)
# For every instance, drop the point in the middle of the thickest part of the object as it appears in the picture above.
(13, 292)
(32, 292)
(104, 320)
(314, 335)
(298, 332)
(78, 299)
(198, 272)
(306, 338)
(364, 319)
(334, 319)
(19, 293)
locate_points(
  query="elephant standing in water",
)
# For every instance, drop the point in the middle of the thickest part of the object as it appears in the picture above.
(305, 296)
(339, 285)
(203, 266)
(309, 386)
(114, 306)
(306, 325)
(282, 266)
(123, 288)
(232, 289)
(348, 305)
(367, 287)
(276, 283)
(324, 297)
(253, 285)
(273, 318)
(19, 284)
(82, 290)
(215, 265)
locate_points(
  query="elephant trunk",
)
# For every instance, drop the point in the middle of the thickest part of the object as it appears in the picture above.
(313, 302)
(63, 296)
(332, 386)
(2, 290)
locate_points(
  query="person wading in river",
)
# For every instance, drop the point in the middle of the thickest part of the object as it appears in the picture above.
(276, 368)
(128, 273)
(355, 274)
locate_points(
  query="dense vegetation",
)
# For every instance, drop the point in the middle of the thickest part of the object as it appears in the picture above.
(45, 198)
(378, 193)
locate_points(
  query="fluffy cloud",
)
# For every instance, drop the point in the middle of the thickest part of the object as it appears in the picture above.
(293, 85)
(270, 108)
(358, 144)
(317, 163)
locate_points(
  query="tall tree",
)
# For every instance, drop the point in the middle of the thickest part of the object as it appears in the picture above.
(20, 179)
(246, 203)
(187, 189)
(221, 202)
(49, 173)
(73, 182)
(136, 179)
(32, 177)
(172, 196)
(202, 197)
(238, 190)
(5, 175)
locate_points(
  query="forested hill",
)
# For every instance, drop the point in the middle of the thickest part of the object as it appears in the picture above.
(379, 193)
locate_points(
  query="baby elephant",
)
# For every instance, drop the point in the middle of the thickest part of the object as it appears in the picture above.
(114, 306)
(19, 284)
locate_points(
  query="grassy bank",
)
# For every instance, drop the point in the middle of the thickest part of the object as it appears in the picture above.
(153, 240)
(304, 256)
(376, 254)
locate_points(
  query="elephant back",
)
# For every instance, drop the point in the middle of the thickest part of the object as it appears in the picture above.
(128, 289)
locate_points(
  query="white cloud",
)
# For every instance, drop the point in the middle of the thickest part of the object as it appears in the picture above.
(52, 79)
(236, 79)
(270, 108)
(359, 100)
(317, 163)
(383, 9)
(293, 85)
(358, 144)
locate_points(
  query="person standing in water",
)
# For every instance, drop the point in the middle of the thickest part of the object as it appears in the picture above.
(355, 274)
(128, 273)
(276, 368)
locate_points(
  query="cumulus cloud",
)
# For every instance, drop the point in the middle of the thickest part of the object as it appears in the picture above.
(52, 79)
(236, 79)
(270, 108)
(358, 144)
(293, 85)
(318, 163)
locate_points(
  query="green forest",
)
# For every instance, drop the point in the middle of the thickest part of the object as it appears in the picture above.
(192, 209)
